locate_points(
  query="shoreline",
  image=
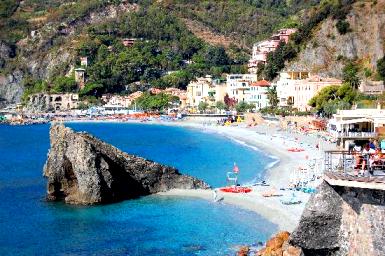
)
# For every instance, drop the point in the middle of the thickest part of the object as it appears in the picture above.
(263, 139)
(286, 217)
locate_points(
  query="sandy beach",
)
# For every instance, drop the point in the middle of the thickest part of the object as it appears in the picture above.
(268, 139)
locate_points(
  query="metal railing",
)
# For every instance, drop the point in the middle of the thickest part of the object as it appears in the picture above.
(354, 134)
(350, 162)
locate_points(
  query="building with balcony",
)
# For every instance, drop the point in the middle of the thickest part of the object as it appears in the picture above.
(238, 86)
(258, 94)
(205, 89)
(296, 88)
(357, 125)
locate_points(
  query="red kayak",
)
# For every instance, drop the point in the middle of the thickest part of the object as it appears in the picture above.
(236, 189)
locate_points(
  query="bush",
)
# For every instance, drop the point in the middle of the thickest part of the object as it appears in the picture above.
(343, 27)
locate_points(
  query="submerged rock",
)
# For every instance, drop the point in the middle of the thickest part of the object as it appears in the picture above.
(82, 169)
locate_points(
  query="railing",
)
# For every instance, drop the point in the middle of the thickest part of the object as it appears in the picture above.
(353, 163)
(354, 134)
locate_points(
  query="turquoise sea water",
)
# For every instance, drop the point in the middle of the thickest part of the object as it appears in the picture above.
(152, 225)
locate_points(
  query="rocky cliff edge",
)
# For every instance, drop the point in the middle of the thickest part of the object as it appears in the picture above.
(81, 169)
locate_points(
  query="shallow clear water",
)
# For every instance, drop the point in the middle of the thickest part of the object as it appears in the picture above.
(152, 225)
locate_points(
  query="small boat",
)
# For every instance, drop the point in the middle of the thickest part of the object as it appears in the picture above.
(236, 189)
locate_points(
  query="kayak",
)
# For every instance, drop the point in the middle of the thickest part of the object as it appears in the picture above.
(236, 189)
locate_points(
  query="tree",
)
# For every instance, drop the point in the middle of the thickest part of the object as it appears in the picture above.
(230, 102)
(243, 107)
(64, 84)
(272, 96)
(158, 102)
(334, 97)
(203, 106)
(220, 105)
(381, 68)
(350, 75)
(91, 89)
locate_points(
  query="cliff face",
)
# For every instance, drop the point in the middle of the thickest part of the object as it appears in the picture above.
(326, 52)
(48, 51)
(342, 221)
(84, 170)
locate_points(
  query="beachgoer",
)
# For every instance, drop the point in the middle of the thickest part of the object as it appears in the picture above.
(215, 195)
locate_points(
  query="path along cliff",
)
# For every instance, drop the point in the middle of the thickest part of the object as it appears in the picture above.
(82, 169)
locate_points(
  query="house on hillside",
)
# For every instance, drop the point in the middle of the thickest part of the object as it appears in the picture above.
(263, 48)
(128, 42)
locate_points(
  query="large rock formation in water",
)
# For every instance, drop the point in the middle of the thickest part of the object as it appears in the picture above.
(82, 169)
(342, 221)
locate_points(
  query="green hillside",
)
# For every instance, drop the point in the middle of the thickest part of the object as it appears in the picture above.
(169, 50)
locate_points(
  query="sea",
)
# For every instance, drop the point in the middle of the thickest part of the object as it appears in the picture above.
(151, 225)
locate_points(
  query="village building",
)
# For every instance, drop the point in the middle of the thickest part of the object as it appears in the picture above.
(205, 89)
(258, 94)
(238, 86)
(128, 42)
(371, 87)
(296, 88)
(53, 102)
(80, 77)
(263, 48)
(122, 101)
(357, 124)
(198, 91)
(83, 61)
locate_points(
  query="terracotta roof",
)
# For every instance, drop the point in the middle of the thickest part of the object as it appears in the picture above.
(262, 83)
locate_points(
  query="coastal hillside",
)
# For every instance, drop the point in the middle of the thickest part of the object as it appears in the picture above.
(358, 37)
(42, 41)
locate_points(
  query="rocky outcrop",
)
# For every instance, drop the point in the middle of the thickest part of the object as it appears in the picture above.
(11, 89)
(326, 52)
(82, 169)
(342, 221)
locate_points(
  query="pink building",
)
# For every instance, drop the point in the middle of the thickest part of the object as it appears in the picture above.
(262, 49)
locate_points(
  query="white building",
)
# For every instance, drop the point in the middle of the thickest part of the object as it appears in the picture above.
(296, 88)
(258, 94)
(238, 86)
(357, 124)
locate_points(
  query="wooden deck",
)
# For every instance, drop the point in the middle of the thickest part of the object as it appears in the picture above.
(345, 180)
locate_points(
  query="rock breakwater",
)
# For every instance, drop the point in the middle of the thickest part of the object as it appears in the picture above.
(81, 169)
